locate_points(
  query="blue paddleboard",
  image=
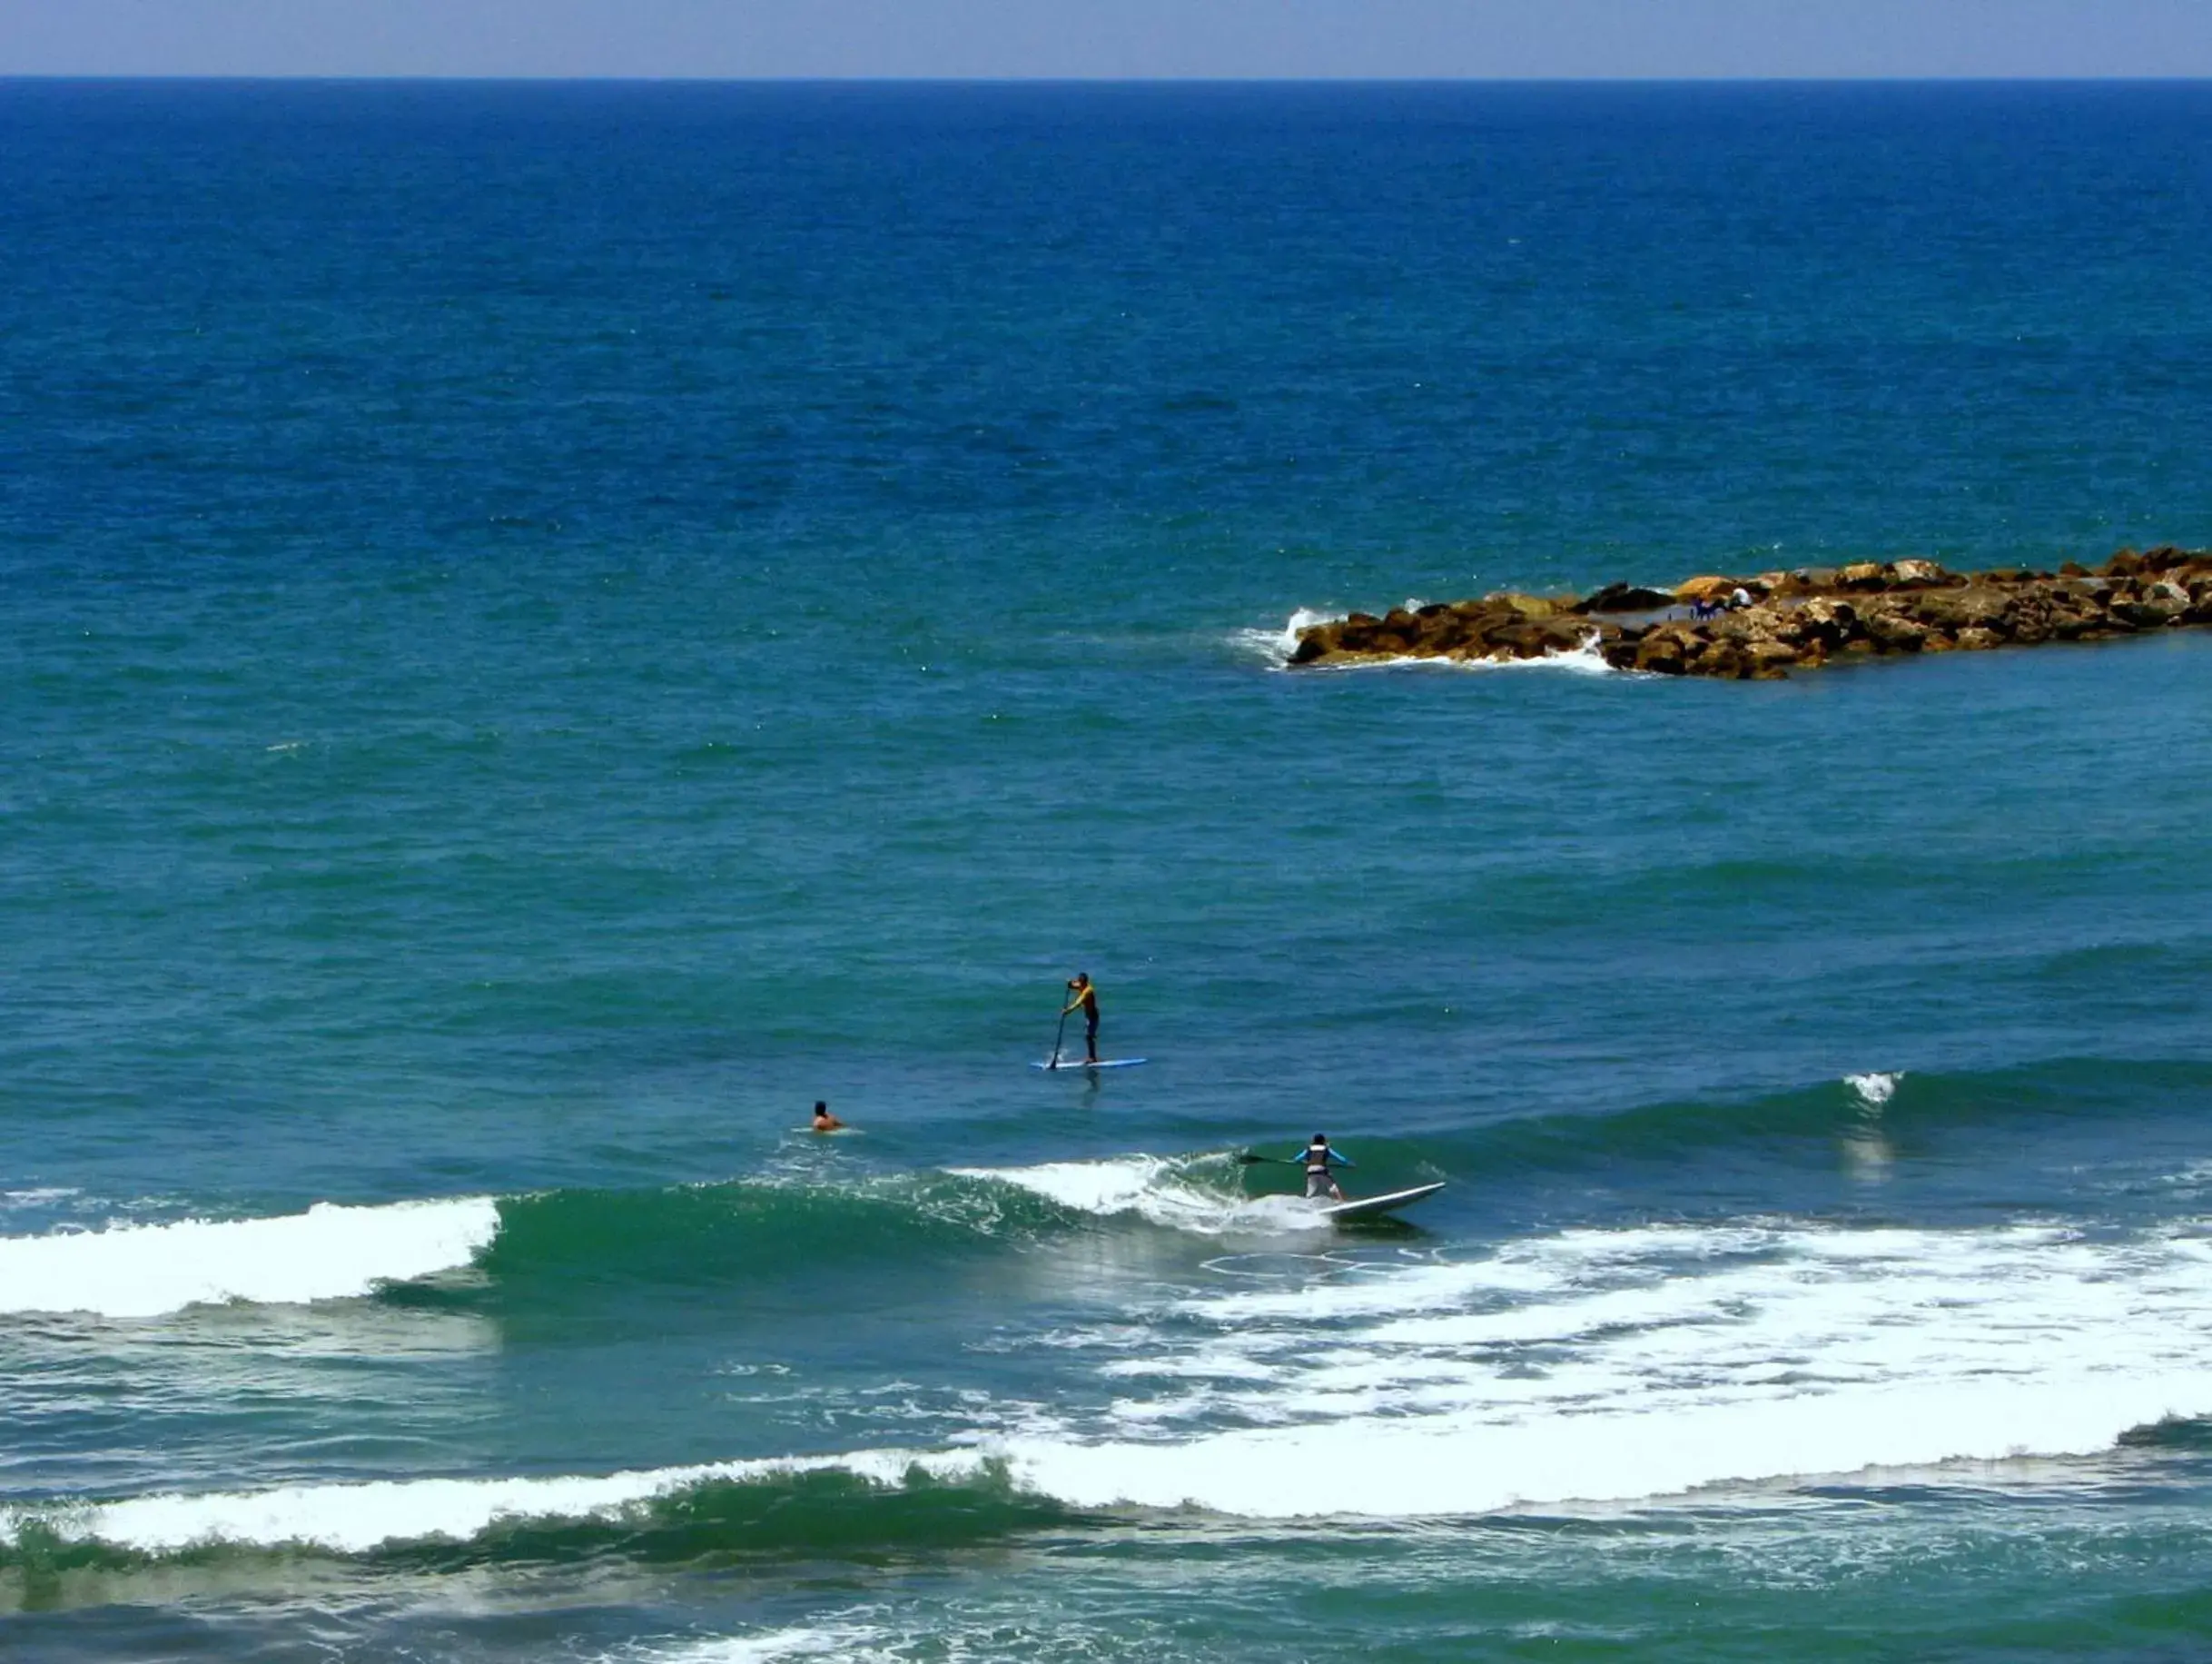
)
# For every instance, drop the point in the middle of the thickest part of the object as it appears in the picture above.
(1104, 1063)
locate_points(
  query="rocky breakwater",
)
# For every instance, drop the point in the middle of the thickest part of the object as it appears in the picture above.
(1784, 622)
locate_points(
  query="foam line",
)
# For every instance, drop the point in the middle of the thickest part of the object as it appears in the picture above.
(353, 1519)
(844, 1644)
(1446, 1465)
(1407, 1467)
(329, 1252)
(1613, 1366)
(1607, 1366)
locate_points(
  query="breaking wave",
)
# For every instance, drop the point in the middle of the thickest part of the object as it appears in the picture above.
(1873, 1090)
(328, 1252)
(670, 1515)
(1580, 1367)
(578, 1239)
(1276, 645)
(1193, 1194)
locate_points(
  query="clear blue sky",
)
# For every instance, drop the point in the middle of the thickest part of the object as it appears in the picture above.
(1110, 38)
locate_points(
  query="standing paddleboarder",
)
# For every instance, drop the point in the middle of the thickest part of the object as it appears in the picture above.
(1084, 997)
(1319, 1181)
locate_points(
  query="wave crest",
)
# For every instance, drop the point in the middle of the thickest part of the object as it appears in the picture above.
(670, 1515)
(1176, 1193)
(330, 1251)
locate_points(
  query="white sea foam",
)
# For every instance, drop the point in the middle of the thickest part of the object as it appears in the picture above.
(1873, 1090)
(351, 1519)
(1585, 1366)
(1152, 1188)
(44, 1197)
(1463, 1463)
(843, 1642)
(1583, 661)
(1594, 1366)
(329, 1252)
(1276, 645)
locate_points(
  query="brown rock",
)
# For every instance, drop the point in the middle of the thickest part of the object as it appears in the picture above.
(1527, 606)
(1828, 611)
(1922, 575)
(1798, 618)
(1974, 606)
(1626, 598)
(2144, 613)
(1724, 660)
(1568, 635)
(1706, 587)
(2071, 624)
(1893, 632)
(1668, 649)
(1519, 638)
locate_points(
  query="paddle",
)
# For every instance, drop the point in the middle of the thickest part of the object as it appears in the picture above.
(1057, 1034)
(1247, 1158)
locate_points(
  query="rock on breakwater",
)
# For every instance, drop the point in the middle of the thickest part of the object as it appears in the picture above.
(1787, 620)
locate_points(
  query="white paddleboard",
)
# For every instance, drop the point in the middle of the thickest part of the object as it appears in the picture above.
(1363, 1208)
(1103, 1063)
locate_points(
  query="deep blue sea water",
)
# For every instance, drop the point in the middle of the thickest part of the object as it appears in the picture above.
(546, 627)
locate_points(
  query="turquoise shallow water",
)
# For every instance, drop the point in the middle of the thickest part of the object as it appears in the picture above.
(547, 629)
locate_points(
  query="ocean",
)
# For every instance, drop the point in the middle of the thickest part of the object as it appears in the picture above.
(546, 628)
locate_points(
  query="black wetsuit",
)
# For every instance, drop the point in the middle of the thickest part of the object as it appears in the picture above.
(1088, 999)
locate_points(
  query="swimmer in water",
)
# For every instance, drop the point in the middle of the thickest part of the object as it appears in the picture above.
(824, 1121)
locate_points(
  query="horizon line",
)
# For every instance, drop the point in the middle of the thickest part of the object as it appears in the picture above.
(530, 79)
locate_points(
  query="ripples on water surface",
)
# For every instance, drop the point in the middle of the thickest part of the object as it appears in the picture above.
(550, 628)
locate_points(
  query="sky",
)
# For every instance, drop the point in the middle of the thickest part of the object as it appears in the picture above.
(1109, 39)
